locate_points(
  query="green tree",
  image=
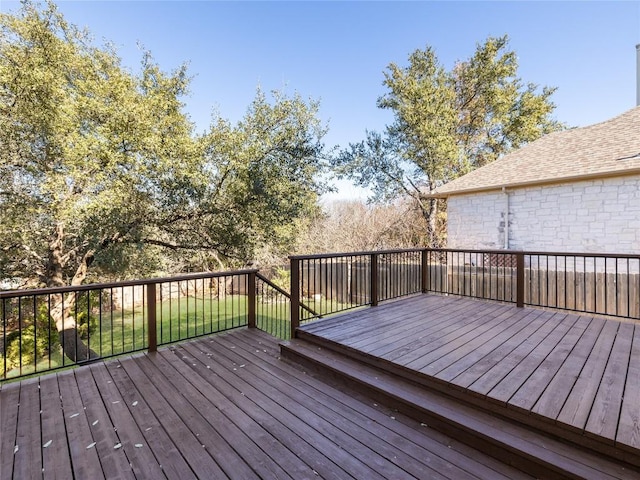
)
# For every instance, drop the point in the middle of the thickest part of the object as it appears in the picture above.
(102, 175)
(447, 123)
(262, 180)
(89, 153)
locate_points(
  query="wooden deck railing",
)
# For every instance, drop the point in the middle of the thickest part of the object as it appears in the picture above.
(332, 283)
(52, 328)
(598, 283)
(606, 284)
(46, 329)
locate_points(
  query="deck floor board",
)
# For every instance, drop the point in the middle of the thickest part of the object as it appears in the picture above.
(142, 424)
(533, 388)
(85, 461)
(577, 406)
(492, 354)
(524, 365)
(473, 359)
(413, 320)
(238, 432)
(149, 415)
(460, 344)
(433, 333)
(55, 456)
(549, 332)
(557, 390)
(401, 337)
(115, 463)
(604, 416)
(293, 436)
(629, 429)
(215, 452)
(132, 416)
(9, 405)
(356, 461)
(28, 461)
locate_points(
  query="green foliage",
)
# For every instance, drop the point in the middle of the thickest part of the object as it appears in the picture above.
(447, 123)
(26, 345)
(87, 325)
(263, 175)
(35, 342)
(88, 151)
(21, 348)
(281, 277)
(102, 176)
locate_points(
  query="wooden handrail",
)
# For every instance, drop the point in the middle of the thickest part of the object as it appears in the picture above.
(518, 261)
(537, 253)
(282, 291)
(352, 254)
(124, 283)
(466, 250)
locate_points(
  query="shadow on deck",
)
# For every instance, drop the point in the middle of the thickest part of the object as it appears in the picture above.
(554, 393)
(223, 406)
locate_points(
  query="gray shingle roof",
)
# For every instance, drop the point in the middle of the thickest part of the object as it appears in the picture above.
(605, 149)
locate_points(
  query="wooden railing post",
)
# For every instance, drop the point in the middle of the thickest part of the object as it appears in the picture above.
(424, 270)
(294, 314)
(374, 280)
(151, 318)
(251, 298)
(520, 279)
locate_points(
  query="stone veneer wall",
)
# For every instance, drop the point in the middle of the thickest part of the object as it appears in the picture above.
(600, 216)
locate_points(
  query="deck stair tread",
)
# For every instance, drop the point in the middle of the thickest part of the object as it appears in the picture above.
(496, 435)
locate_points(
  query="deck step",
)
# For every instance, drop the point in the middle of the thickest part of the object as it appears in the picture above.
(568, 433)
(532, 451)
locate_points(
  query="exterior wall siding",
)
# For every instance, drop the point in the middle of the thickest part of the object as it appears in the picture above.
(589, 216)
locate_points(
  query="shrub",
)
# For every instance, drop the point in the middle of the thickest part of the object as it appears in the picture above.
(28, 345)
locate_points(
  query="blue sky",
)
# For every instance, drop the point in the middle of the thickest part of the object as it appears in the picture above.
(336, 52)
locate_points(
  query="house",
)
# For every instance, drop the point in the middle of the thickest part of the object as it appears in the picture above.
(576, 190)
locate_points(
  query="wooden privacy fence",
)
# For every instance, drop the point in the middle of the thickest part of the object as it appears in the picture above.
(591, 292)
(350, 282)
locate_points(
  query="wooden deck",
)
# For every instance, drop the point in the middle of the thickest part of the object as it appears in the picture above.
(219, 407)
(560, 371)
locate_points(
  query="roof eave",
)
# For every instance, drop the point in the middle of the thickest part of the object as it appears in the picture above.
(532, 183)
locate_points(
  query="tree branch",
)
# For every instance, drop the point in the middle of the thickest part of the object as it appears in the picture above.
(194, 247)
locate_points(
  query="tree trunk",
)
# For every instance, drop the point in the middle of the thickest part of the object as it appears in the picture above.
(72, 345)
(429, 209)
